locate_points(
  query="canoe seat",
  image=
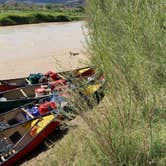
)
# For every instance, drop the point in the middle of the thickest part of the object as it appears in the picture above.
(24, 94)
(29, 114)
(28, 81)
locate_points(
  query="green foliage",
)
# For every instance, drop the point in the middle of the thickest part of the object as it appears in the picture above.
(62, 18)
(73, 149)
(19, 19)
(7, 21)
(36, 17)
(127, 43)
(40, 17)
(26, 14)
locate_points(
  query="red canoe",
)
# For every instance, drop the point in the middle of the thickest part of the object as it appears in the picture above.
(17, 141)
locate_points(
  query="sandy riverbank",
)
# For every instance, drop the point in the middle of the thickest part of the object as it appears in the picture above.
(41, 47)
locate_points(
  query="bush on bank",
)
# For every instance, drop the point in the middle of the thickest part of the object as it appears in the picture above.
(127, 43)
(37, 17)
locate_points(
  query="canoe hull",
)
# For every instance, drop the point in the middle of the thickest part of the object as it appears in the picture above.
(32, 145)
(6, 106)
(7, 87)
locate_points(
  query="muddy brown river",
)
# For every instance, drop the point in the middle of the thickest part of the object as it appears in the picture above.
(34, 48)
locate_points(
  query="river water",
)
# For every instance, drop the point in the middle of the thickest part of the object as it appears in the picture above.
(33, 48)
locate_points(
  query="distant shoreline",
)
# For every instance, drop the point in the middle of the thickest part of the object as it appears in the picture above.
(9, 19)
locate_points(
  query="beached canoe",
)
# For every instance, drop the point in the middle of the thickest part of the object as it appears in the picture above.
(17, 141)
(20, 96)
(27, 81)
(54, 104)
(14, 98)
(25, 113)
(17, 97)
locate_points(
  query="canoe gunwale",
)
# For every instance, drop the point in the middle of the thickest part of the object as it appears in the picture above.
(26, 98)
(22, 87)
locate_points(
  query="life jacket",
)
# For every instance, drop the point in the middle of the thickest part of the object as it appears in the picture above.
(40, 91)
(52, 75)
(46, 107)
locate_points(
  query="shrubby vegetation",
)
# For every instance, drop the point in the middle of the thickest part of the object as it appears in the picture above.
(27, 14)
(127, 43)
